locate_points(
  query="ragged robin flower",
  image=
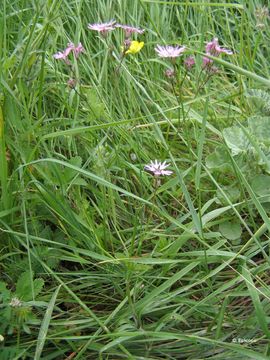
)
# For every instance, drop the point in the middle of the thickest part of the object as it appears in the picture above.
(189, 62)
(76, 50)
(213, 48)
(129, 30)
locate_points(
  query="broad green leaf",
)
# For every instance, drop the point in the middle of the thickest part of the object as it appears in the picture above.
(236, 140)
(38, 285)
(232, 192)
(231, 230)
(219, 160)
(261, 185)
(26, 288)
(259, 99)
(259, 127)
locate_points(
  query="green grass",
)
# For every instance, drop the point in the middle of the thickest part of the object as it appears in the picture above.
(118, 267)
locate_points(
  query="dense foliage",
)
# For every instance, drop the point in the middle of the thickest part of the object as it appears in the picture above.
(135, 192)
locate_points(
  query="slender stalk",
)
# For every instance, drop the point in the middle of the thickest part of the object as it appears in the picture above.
(3, 165)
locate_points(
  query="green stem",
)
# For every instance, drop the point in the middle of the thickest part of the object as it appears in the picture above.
(3, 164)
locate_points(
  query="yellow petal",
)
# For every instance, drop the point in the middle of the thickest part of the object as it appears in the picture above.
(135, 47)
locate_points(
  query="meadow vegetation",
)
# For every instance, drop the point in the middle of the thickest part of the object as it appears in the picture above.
(135, 179)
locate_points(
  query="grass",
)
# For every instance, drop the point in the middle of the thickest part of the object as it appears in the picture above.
(105, 263)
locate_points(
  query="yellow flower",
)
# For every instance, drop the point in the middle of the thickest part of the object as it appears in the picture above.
(135, 47)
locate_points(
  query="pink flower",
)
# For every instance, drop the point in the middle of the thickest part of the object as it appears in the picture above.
(207, 62)
(70, 47)
(213, 48)
(169, 73)
(158, 168)
(72, 83)
(103, 28)
(78, 49)
(189, 62)
(168, 51)
(64, 54)
(208, 66)
(59, 55)
(130, 29)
